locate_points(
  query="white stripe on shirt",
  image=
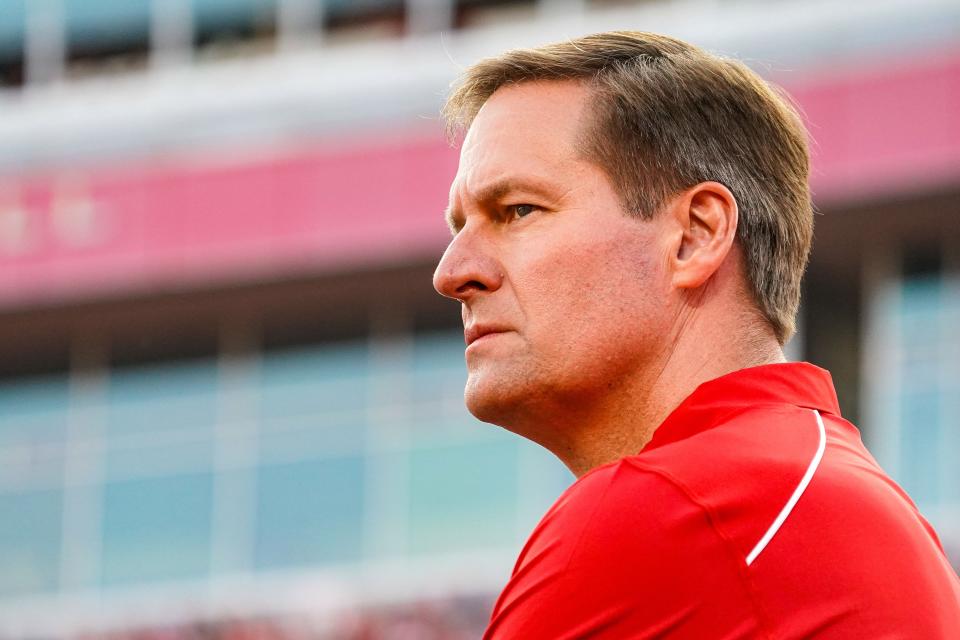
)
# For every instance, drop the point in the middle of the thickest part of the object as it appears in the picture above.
(792, 502)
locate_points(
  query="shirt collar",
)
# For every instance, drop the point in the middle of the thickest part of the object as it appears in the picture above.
(795, 383)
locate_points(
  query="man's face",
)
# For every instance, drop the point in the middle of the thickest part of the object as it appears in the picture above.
(564, 296)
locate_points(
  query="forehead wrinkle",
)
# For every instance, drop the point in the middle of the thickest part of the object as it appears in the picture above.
(476, 155)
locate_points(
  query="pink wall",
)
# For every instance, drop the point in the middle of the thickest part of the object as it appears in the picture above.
(166, 224)
(116, 230)
(885, 129)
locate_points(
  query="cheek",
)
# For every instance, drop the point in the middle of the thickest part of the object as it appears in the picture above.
(595, 297)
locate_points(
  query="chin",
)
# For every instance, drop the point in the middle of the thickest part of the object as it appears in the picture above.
(512, 411)
(508, 401)
(489, 401)
(484, 407)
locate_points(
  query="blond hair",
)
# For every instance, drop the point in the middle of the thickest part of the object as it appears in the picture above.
(668, 116)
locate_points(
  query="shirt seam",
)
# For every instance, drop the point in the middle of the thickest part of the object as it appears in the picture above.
(718, 421)
(738, 559)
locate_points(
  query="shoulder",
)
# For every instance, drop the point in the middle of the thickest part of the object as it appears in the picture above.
(661, 543)
(717, 486)
(627, 516)
(623, 553)
(639, 506)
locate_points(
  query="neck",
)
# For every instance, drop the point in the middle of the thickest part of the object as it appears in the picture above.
(626, 420)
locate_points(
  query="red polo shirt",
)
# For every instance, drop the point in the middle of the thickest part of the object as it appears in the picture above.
(754, 512)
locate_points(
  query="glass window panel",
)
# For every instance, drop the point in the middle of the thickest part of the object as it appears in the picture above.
(311, 437)
(435, 428)
(916, 431)
(159, 457)
(543, 478)
(169, 397)
(950, 450)
(439, 372)
(463, 497)
(107, 22)
(33, 410)
(12, 26)
(307, 382)
(920, 369)
(313, 400)
(29, 542)
(920, 297)
(361, 5)
(309, 512)
(441, 350)
(157, 529)
(31, 468)
(920, 444)
(311, 397)
(228, 12)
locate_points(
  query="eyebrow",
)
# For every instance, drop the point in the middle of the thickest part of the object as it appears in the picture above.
(497, 190)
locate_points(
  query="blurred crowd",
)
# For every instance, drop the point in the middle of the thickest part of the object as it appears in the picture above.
(457, 619)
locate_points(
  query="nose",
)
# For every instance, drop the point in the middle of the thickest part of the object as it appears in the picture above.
(468, 267)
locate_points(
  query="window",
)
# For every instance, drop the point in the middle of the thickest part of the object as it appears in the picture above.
(439, 372)
(33, 410)
(313, 401)
(157, 529)
(29, 542)
(355, 20)
(161, 418)
(163, 397)
(12, 27)
(914, 386)
(228, 27)
(481, 13)
(309, 512)
(33, 428)
(104, 35)
(463, 497)
(924, 429)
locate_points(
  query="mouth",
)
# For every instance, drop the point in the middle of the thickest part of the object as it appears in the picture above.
(478, 331)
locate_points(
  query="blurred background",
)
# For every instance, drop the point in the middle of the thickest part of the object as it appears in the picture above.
(230, 401)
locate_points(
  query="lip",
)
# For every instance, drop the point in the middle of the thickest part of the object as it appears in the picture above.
(476, 331)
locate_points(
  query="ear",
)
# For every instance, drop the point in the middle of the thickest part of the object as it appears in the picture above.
(705, 218)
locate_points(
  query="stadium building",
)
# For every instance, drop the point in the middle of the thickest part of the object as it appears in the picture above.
(228, 391)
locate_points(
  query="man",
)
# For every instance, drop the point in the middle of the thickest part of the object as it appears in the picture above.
(631, 222)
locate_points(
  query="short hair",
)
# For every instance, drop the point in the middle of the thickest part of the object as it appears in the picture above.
(668, 115)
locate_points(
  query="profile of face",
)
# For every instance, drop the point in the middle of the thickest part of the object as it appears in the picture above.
(564, 296)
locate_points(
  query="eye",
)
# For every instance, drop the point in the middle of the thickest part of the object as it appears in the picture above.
(521, 210)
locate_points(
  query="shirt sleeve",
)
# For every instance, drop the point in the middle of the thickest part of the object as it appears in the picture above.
(628, 555)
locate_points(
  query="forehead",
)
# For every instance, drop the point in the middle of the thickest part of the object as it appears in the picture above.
(530, 127)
